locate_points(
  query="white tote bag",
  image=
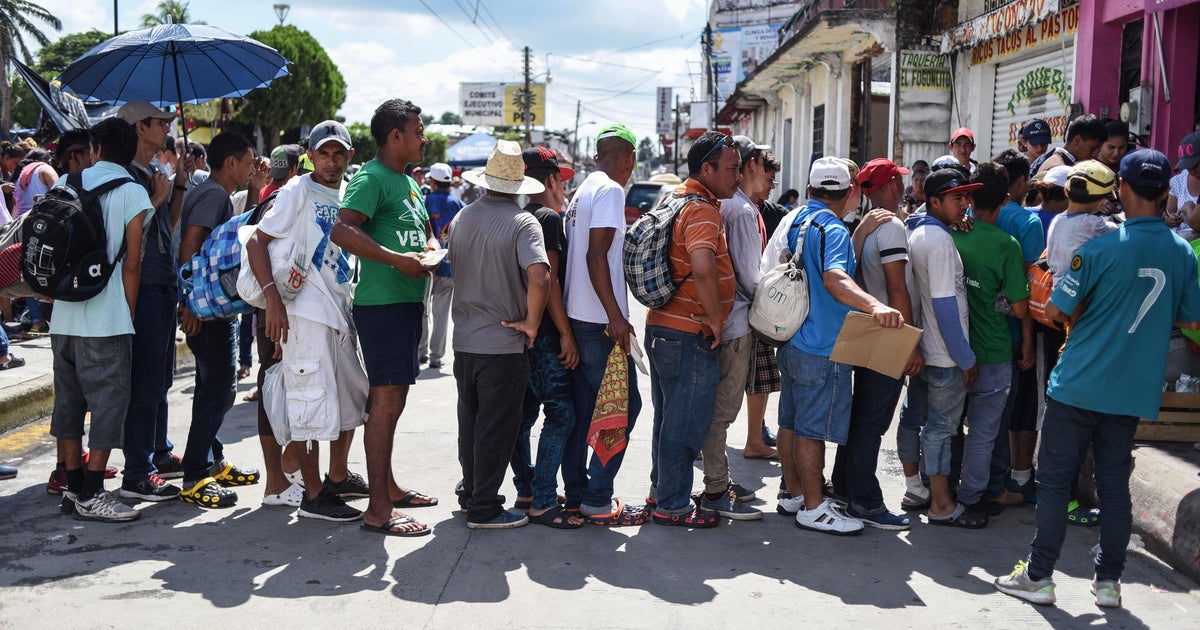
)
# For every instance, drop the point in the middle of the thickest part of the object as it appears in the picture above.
(291, 258)
(781, 301)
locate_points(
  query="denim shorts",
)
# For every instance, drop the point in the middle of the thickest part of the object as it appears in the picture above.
(388, 335)
(814, 401)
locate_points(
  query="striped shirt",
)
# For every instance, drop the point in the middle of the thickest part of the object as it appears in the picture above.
(698, 226)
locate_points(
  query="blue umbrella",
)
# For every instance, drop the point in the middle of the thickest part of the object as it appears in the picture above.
(173, 63)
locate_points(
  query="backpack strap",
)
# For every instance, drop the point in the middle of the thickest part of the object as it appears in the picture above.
(75, 180)
(798, 248)
(262, 207)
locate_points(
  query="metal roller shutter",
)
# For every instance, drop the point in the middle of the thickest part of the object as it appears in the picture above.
(1038, 86)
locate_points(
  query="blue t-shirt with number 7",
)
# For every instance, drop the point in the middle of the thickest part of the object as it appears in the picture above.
(1135, 283)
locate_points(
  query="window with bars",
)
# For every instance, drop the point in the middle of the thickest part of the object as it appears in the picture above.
(818, 130)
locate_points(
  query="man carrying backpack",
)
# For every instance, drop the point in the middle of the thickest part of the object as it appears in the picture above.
(92, 340)
(683, 336)
(814, 403)
(206, 473)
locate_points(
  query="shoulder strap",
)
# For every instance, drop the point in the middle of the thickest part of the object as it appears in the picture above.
(261, 207)
(106, 187)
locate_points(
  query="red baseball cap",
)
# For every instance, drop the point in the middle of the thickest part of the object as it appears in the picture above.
(878, 172)
(962, 131)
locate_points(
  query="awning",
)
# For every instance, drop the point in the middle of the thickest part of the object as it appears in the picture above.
(471, 151)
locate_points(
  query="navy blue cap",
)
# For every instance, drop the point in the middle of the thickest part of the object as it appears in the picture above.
(1146, 167)
(1189, 151)
(1036, 131)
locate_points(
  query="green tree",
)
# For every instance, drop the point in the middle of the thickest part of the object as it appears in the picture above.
(15, 24)
(26, 109)
(645, 151)
(450, 118)
(312, 92)
(427, 119)
(364, 143)
(435, 151)
(168, 12)
(54, 57)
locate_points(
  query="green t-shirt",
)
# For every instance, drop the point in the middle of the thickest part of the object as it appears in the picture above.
(396, 219)
(991, 261)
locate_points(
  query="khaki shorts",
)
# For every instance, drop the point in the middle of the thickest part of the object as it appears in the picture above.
(324, 379)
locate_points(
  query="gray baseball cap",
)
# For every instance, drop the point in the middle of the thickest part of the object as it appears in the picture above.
(329, 130)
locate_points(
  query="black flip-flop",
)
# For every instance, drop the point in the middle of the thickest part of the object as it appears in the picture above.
(386, 528)
(961, 517)
(556, 517)
(13, 363)
(406, 501)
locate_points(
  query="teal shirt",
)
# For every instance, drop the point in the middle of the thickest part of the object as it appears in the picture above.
(107, 314)
(992, 266)
(1136, 282)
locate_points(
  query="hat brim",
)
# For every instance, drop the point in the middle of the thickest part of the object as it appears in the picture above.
(524, 186)
(345, 144)
(965, 188)
(1187, 163)
(565, 173)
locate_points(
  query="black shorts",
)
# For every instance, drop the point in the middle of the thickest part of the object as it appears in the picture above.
(388, 335)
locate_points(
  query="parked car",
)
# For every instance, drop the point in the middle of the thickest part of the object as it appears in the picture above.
(645, 196)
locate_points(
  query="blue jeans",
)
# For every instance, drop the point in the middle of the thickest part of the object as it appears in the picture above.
(3, 342)
(583, 481)
(912, 419)
(1067, 432)
(987, 397)
(946, 398)
(549, 388)
(216, 382)
(246, 339)
(150, 379)
(684, 372)
(871, 410)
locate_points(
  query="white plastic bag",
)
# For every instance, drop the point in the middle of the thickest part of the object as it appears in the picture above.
(291, 258)
(274, 398)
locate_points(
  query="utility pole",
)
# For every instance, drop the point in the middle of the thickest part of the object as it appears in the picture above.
(575, 138)
(527, 99)
(678, 123)
(116, 30)
(709, 72)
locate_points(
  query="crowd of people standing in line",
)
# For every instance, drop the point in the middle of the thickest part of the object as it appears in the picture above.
(541, 327)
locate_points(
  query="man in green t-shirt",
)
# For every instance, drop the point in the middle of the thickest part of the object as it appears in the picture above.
(996, 287)
(384, 223)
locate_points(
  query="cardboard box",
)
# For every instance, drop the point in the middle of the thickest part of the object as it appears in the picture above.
(863, 342)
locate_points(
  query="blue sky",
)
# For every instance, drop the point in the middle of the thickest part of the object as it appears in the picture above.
(610, 54)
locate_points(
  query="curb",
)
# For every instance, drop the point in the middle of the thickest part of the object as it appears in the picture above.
(1166, 505)
(34, 399)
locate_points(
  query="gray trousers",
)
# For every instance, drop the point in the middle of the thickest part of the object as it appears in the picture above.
(91, 374)
(437, 309)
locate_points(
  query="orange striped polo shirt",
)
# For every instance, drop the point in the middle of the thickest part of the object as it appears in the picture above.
(698, 226)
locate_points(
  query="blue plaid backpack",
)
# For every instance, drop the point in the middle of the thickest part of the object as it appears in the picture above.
(209, 281)
(646, 256)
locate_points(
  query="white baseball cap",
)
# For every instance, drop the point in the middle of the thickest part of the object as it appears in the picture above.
(441, 172)
(829, 173)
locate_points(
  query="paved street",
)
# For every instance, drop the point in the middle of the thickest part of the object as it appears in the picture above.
(260, 565)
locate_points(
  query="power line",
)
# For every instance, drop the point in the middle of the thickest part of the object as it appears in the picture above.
(488, 13)
(459, 35)
(619, 65)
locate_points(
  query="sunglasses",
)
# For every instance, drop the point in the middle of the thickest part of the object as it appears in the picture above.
(727, 141)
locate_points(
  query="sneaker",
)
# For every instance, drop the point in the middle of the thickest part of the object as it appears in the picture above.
(109, 471)
(328, 506)
(1020, 585)
(288, 498)
(207, 493)
(986, 507)
(883, 520)
(1107, 592)
(67, 505)
(436, 363)
(507, 519)
(229, 475)
(827, 518)
(170, 467)
(789, 505)
(104, 508)
(768, 437)
(58, 481)
(741, 492)
(352, 487)
(151, 488)
(731, 508)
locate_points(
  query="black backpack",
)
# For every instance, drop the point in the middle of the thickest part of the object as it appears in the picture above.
(65, 254)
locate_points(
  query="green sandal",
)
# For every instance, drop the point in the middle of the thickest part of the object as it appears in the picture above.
(1082, 517)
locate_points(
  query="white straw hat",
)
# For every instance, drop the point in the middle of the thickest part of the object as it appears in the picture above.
(505, 172)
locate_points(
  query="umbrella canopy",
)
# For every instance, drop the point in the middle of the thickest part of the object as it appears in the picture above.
(471, 151)
(173, 63)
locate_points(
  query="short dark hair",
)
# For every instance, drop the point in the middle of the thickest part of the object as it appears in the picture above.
(35, 155)
(116, 140)
(1015, 163)
(1077, 191)
(1088, 127)
(791, 194)
(229, 144)
(613, 144)
(1149, 193)
(1116, 129)
(392, 114)
(920, 163)
(702, 148)
(196, 149)
(994, 178)
(1049, 191)
(828, 193)
(771, 163)
(12, 149)
(71, 138)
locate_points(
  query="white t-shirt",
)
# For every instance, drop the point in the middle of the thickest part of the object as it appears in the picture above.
(326, 297)
(1179, 189)
(936, 272)
(1068, 232)
(887, 244)
(599, 203)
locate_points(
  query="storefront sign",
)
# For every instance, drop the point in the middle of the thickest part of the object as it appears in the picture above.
(1007, 19)
(1163, 5)
(663, 117)
(1051, 29)
(738, 51)
(499, 104)
(924, 86)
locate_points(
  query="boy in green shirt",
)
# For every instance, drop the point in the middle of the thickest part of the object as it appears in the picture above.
(996, 287)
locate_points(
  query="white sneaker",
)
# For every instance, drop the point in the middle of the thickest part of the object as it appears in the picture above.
(828, 519)
(104, 508)
(790, 505)
(1107, 592)
(289, 498)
